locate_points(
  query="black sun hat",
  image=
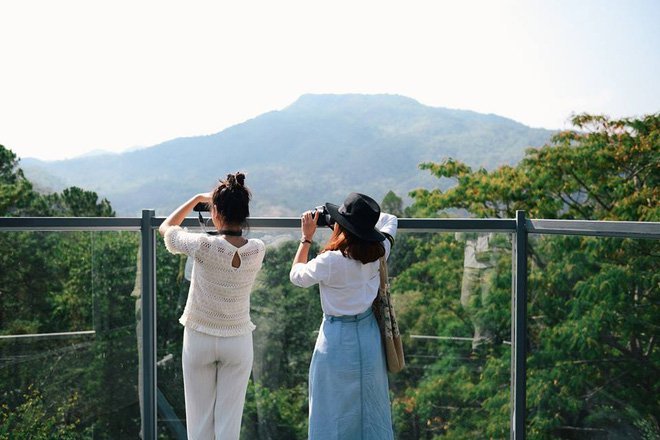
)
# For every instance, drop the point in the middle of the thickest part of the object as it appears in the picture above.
(359, 215)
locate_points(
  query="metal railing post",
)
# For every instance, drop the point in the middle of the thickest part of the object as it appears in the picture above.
(519, 329)
(149, 323)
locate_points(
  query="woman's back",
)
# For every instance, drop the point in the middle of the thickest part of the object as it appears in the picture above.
(219, 297)
(217, 352)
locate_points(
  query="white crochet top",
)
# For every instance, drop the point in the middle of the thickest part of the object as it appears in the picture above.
(219, 297)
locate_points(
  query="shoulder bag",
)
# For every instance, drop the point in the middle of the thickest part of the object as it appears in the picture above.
(389, 328)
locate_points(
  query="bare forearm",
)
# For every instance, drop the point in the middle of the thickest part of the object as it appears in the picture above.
(302, 255)
(307, 229)
(177, 216)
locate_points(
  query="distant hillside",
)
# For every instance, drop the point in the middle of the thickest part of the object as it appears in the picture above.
(318, 149)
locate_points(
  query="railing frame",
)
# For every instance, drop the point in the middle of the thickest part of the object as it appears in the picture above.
(518, 328)
(520, 228)
(148, 310)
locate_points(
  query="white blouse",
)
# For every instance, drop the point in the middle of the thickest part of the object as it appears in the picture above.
(219, 296)
(347, 286)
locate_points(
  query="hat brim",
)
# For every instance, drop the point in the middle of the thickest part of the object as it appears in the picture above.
(372, 234)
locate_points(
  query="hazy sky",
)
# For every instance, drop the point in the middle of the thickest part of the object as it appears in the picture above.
(83, 75)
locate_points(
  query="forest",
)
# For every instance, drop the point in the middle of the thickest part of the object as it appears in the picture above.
(593, 366)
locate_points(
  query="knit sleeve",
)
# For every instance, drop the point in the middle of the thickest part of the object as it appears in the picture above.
(180, 241)
(313, 272)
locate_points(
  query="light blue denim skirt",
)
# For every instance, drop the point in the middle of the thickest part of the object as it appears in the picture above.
(348, 387)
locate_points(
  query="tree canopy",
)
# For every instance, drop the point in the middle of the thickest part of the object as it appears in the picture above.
(593, 365)
(603, 170)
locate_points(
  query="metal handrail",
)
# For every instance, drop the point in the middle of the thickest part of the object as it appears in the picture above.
(600, 228)
(645, 230)
(70, 223)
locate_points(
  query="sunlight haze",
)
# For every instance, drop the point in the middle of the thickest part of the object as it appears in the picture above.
(79, 76)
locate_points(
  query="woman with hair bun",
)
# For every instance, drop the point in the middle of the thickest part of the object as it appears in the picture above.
(217, 337)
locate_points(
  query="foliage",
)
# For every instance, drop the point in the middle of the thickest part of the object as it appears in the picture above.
(593, 366)
(76, 202)
(446, 389)
(16, 193)
(392, 204)
(66, 282)
(32, 419)
(606, 170)
(275, 413)
(287, 318)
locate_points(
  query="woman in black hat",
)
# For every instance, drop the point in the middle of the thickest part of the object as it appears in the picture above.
(348, 388)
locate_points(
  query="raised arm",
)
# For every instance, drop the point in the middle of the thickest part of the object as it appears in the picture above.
(307, 229)
(387, 224)
(177, 216)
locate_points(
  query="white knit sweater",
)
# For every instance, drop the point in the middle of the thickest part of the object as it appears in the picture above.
(219, 297)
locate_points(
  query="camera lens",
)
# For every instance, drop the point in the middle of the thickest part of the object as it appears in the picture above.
(324, 217)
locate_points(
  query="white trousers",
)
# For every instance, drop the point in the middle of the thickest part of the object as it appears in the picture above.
(215, 377)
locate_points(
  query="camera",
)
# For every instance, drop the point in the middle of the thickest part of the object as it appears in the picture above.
(324, 217)
(202, 207)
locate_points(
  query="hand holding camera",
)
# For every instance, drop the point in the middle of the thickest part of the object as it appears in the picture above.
(310, 220)
(205, 204)
(202, 207)
(323, 217)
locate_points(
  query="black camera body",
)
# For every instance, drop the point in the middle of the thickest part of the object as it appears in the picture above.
(324, 218)
(202, 207)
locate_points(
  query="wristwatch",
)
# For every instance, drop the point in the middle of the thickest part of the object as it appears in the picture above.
(304, 240)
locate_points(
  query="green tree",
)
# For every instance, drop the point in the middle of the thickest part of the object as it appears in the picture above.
(64, 282)
(76, 202)
(287, 318)
(604, 170)
(593, 365)
(392, 204)
(31, 419)
(16, 192)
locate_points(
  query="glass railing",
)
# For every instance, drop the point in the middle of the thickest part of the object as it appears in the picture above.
(68, 340)
(442, 295)
(594, 315)
(90, 344)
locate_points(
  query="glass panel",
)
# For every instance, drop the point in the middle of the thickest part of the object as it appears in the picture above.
(172, 282)
(286, 319)
(594, 315)
(68, 349)
(452, 293)
(451, 385)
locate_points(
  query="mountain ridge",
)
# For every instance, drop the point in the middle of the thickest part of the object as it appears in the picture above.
(317, 149)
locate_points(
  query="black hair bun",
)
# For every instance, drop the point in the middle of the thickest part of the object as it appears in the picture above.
(234, 181)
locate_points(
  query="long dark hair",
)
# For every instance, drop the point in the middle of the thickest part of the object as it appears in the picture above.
(353, 247)
(231, 199)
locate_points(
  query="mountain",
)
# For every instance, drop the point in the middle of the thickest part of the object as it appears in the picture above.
(318, 149)
(97, 152)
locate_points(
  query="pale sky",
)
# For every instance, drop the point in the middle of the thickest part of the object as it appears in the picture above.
(77, 76)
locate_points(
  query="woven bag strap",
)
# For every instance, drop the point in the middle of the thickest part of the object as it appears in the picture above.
(383, 273)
